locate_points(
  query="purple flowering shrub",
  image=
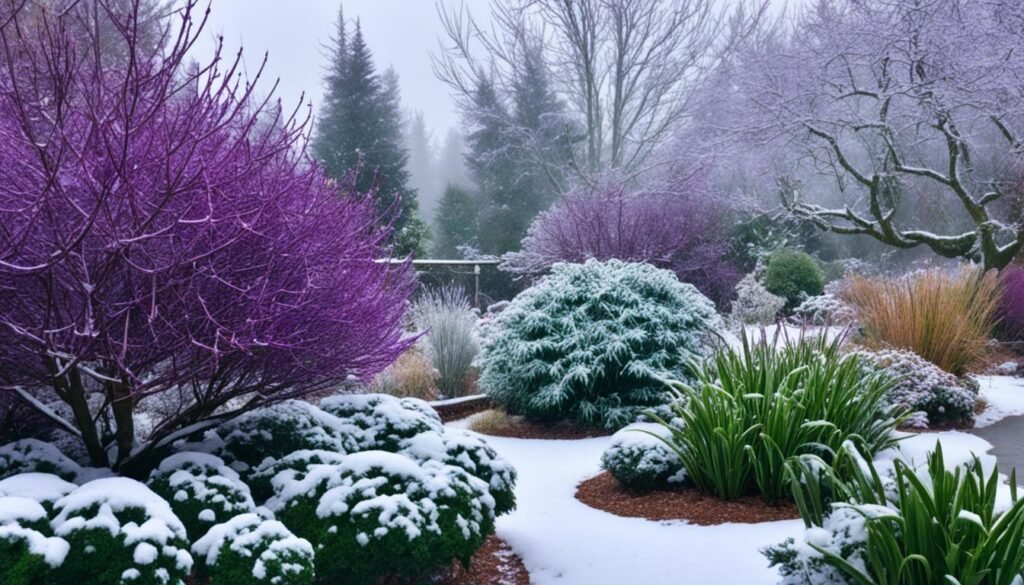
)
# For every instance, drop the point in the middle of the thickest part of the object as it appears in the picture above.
(1011, 304)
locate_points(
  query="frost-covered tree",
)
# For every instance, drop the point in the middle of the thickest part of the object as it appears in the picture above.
(165, 244)
(907, 107)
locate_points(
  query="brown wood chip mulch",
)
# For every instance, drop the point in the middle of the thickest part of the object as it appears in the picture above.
(605, 493)
(516, 427)
(494, 564)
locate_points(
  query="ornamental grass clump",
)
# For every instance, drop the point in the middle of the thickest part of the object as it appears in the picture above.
(754, 408)
(446, 317)
(946, 317)
(591, 343)
(938, 524)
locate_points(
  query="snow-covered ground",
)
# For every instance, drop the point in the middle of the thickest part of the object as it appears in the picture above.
(564, 542)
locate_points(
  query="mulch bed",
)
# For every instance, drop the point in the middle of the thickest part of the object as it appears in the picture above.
(494, 564)
(605, 493)
(459, 410)
(516, 427)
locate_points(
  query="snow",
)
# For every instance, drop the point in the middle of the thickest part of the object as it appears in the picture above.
(246, 534)
(14, 510)
(564, 542)
(39, 487)
(1004, 396)
(458, 400)
(53, 549)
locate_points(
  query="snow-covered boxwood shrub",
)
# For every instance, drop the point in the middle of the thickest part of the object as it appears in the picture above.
(201, 489)
(793, 275)
(43, 488)
(119, 531)
(382, 421)
(383, 515)
(28, 551)
(753, 304)
(591, 343)
(472, 454)
(33, 455)
(275, 431)
(640, 461)
(250, 550)
(937, 397)
(824, 309)
(259, 480)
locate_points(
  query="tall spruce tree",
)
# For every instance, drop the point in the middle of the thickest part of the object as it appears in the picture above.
(456, 223)
(360, 128)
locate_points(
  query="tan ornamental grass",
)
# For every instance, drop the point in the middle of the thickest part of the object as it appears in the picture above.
(944, 316)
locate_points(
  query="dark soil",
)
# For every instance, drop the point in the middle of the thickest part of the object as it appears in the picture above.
(605, 493)
(499, 424)
(494, 564)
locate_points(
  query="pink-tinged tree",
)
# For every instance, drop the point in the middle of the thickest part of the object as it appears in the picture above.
(912, 108)
(677, 226)
(166, 247)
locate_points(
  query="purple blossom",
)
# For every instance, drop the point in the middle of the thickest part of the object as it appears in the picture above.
(164, 236)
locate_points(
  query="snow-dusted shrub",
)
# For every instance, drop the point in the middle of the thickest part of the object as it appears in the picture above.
(446, 316)
(382, 421)
(119, 531)
(793, 275)
(642, 462)
(43, 488)
(259, 479)
(753, 304)
(275, 431)
(28, 551)
(844, 533)
(378, 515)
(822, 309)
(249, 550)
(591, 343)
(33, 455)
(923, 387)
(473, 455)
(201, 489)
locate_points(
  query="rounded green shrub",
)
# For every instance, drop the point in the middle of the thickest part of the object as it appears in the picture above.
(249, 550)
(473, 455)
(793, 275)
(640, 461)
(28, 551)
(384, 421)
(261, 479)
(120, 532)
(202, 490)
(43, 488)
(380, 515)
(592, 342)
(33, 455)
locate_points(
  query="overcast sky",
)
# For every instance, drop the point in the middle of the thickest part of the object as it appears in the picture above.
(401, 33)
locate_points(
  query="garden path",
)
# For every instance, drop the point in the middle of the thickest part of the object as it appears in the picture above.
(1002, 423)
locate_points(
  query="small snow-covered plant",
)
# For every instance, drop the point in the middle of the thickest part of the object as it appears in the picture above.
(927, 525)
(640, 461)
(591, 343)
(43, 488)
(275, 431)
(753, 304)
(380, 515)
(28, 455)
(249, 550)
(119, 531)
(922, 387)
(447, 318)
(259, 479)
(472, 454)
(201, 489)
(382, 421)
(824, 309)
(28, 551)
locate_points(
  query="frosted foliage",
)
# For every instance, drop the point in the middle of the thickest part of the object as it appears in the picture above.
(641, 461)
(592, 342)
(381, 421)
(201, 489)
(29, 455)
(822, 309)
(249, 549)
(843, 532)
(923, 387)
(116, 526)
(25, 543)
(754, 305)
(446, 317)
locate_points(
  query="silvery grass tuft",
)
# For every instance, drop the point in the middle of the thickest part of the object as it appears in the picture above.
(445, 315)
